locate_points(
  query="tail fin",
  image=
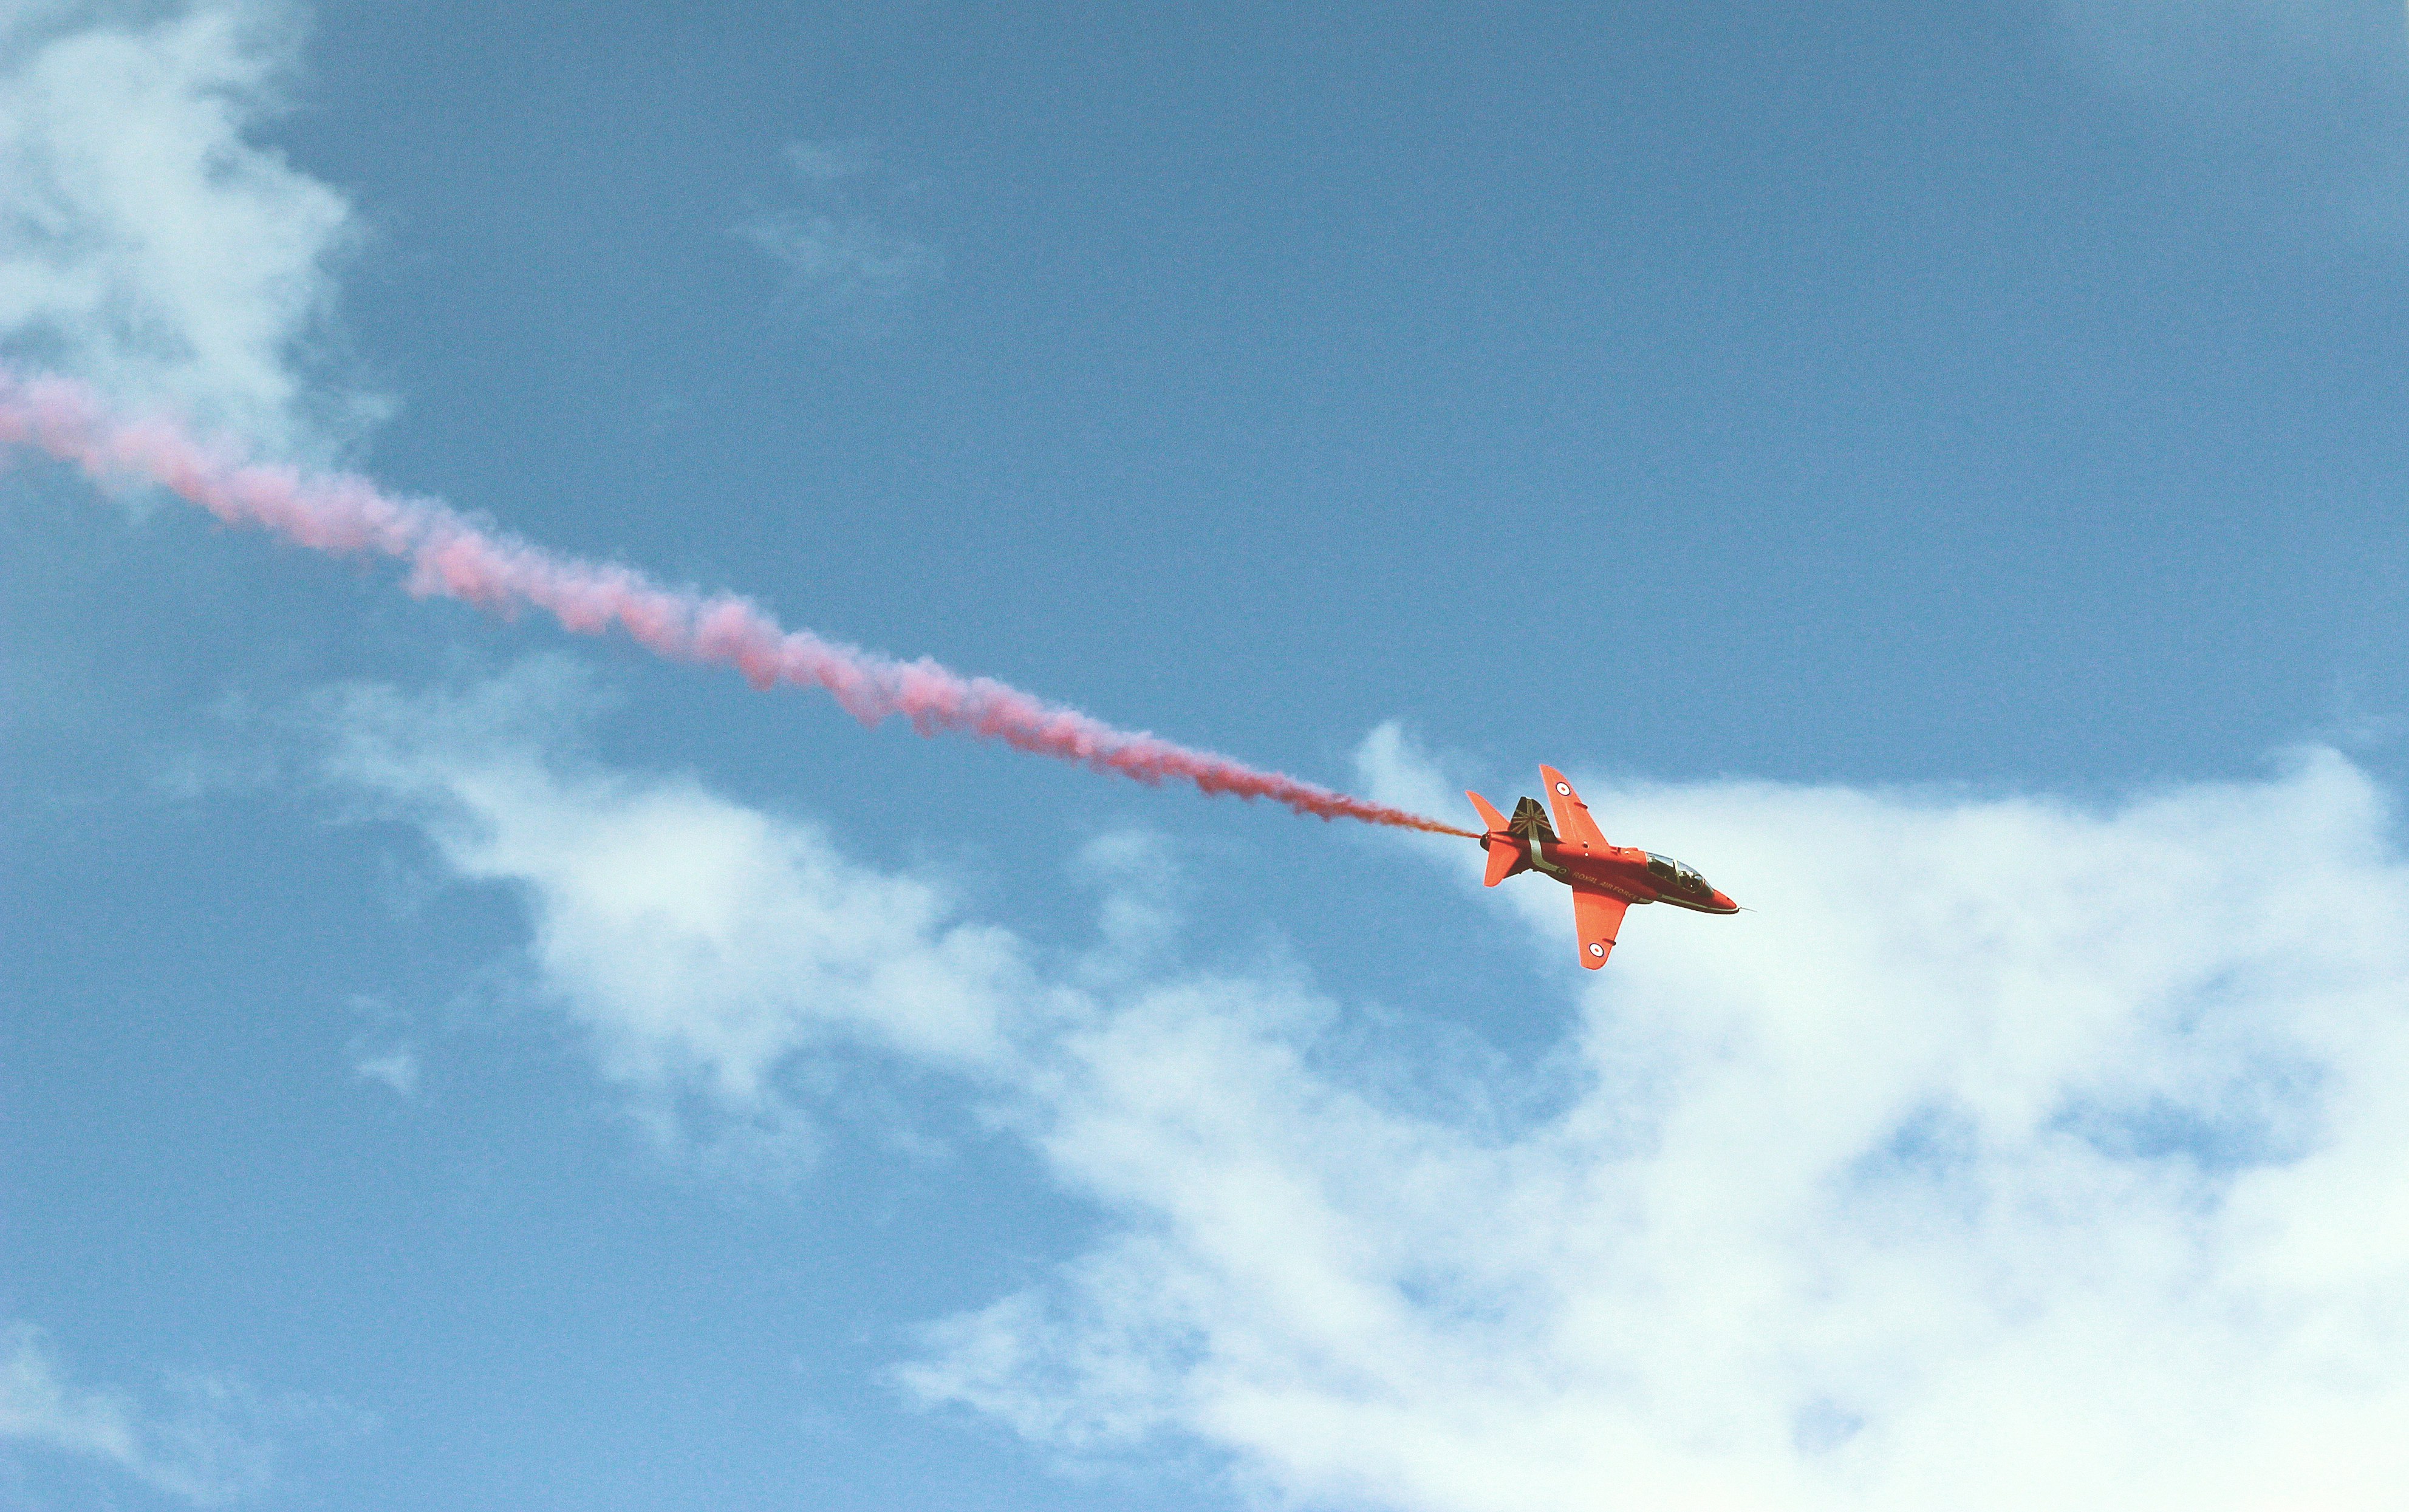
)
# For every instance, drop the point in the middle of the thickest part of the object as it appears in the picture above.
(1506, 858)
(1530, 819)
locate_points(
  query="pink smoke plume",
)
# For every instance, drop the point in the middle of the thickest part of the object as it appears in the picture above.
(342, 514)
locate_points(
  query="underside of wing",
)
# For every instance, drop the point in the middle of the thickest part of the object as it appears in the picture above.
(1574, 827)
(1597, 917)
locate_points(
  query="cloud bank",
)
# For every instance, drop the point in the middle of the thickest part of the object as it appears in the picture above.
(2014, 1153)
(150, 243)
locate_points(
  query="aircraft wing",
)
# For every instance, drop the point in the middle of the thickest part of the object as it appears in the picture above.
(1574, 827)
(1597, 916)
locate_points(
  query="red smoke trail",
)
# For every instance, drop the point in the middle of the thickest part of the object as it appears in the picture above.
(343, 514)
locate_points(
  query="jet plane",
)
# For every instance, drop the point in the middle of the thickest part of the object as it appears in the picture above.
(1606, 879)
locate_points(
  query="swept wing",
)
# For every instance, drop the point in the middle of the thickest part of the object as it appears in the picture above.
(1574, 827)
(1598, 917)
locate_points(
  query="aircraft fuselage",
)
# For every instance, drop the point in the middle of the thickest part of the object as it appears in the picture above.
(1632, 874)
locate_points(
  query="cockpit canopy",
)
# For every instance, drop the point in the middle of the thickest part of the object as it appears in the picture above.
(1679, 874)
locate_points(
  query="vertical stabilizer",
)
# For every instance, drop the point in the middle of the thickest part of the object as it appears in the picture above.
(1530, 819)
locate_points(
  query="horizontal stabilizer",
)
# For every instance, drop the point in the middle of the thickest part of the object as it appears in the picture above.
(1488, 812)
(1506, 858)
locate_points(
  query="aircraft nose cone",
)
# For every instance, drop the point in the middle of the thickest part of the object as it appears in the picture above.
(1723, 901)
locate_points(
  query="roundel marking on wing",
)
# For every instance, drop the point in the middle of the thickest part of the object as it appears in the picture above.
(1565, 788)
(1597, 949)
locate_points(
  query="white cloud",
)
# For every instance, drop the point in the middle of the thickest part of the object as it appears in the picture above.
(2014, 1153)
(380, 1052)
(390, 1065)
(150, 242)
(834, 242)
(208, 1448)
(709, 952)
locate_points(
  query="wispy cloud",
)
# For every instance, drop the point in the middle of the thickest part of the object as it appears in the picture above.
(206, 1443)
(832, 234)
(151, 242)
(2012, 1153)
(711, 954)
(394, 1066)
(381, 1051)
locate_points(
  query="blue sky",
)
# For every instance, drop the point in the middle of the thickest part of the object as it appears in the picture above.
(1938, 471)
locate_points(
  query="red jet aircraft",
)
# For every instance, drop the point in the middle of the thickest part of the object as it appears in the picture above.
(1605, 879)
